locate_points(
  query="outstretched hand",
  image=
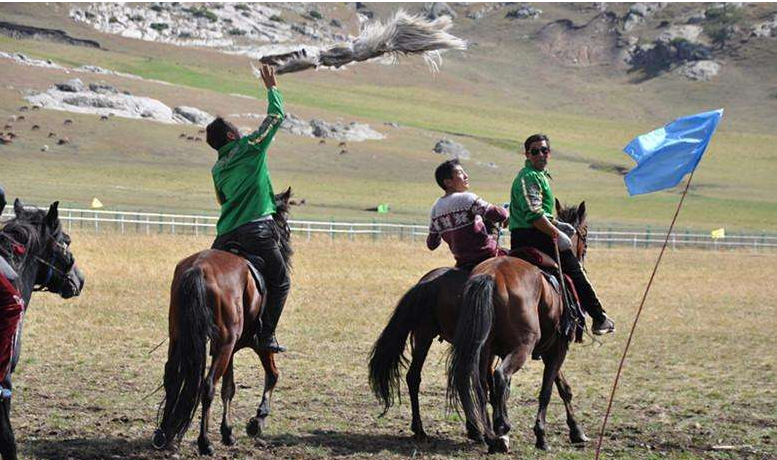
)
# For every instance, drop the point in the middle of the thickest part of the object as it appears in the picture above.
(268, 76)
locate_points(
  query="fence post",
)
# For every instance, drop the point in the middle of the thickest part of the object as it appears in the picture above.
(96, 224)
(308, 231)
(69, 220)
(173, 225)
(122, 223)
(351, 232)
(196, 228)
(81, 213)
(412, 232)
(609, 237)
(647, 237)
(148, 225)
(374, 230)
(401, 232)
(332, 229)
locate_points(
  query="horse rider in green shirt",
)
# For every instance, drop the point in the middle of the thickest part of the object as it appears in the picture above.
(244, 191)
(532, 224)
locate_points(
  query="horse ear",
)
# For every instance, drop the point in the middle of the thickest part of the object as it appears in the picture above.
(581, 212)
(287, 194)
(53, 214)
(558, 206)
(18, 207)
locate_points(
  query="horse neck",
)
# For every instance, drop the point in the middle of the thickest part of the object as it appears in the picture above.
(27, 267)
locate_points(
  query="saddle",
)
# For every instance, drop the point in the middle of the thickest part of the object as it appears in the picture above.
(261, 285)
(573, 319)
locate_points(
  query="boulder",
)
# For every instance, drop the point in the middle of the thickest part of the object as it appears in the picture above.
(689, 32)
(102, 88)
(766, 29)
(71, 86)
(296, 125)
(700, 70)
(437, 9)
(524, 12)
(451, 148)
(192, 115)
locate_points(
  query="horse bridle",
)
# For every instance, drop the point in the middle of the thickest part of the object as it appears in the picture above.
(580, 243)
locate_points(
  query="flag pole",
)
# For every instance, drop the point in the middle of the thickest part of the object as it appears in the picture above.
(636, 318)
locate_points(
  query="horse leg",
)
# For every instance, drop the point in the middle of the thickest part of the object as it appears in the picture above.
(271, 373)
(421, 345)
(502, 377)
(552, 362)
(7, 441)
(576, 435)
(227, 393)
(221, 359)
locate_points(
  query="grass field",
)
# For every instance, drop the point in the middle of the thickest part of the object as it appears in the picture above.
(485, 99)
(700, 374)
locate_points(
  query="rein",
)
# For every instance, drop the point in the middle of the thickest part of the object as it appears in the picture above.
(19, 248)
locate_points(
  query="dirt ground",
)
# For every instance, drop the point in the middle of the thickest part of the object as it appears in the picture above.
(698, 382)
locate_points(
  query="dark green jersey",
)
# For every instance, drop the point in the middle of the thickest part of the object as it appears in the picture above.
(530, 197)
(240, 175)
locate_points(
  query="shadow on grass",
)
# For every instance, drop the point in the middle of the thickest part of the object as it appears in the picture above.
(99, 448)
(345, 443)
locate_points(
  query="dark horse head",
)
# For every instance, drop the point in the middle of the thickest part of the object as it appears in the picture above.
(34, 243)
(576, 217)
(280, 217)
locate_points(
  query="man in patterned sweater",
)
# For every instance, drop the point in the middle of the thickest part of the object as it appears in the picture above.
(459, 217)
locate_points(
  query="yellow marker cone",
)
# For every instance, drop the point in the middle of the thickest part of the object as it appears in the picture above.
(96, 203)
(719, 233)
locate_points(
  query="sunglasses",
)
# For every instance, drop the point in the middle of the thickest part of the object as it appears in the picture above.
(536, 151)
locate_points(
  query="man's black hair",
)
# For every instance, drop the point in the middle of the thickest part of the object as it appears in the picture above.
(445, 171)
(216, 132)
(534, 138)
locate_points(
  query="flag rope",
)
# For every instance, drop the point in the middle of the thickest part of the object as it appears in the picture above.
(636, 319)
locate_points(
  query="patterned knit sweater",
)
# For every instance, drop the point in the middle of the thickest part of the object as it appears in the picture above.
(458, 219)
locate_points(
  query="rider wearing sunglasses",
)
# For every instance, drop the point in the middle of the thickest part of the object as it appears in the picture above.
(532, 224)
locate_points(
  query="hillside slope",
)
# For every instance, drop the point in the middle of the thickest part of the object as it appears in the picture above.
(518, 77)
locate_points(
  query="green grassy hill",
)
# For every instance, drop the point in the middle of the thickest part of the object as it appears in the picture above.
(488, 98)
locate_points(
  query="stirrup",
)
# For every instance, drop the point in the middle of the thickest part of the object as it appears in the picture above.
(269, 343)
(5, 393)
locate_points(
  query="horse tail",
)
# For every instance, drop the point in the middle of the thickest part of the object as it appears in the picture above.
(185, 368)
(387, 357)
(475, 319)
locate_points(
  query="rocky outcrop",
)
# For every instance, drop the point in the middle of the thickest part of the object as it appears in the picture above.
(699, 70)
(766, 29)
(60, 36)
(451, 148)
(590, 44)
(100, 99)
(344, 132)
(687, 32)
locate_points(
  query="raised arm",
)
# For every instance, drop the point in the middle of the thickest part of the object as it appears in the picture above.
(275, 111)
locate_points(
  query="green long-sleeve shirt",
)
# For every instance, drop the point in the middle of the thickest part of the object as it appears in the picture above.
(240, 175)
(530, 197)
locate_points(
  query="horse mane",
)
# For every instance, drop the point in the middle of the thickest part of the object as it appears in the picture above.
(24, 228)
(281, 221)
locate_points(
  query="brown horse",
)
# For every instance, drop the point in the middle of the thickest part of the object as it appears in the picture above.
(509, 310)
(213, 297)
(428, 310)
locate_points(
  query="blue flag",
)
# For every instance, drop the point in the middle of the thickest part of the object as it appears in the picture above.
(666, 155)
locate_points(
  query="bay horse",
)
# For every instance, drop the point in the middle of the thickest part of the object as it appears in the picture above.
(510, 310)
(35, 245)
(428, 310)
(215, 298)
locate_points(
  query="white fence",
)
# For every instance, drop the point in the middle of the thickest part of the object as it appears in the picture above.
(152, 223)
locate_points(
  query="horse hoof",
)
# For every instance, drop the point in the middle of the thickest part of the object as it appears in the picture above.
(501, 445)
(476, 436)
(159, 440)
(254, 427)
(207, 449)
(578, 438)
(228, 440)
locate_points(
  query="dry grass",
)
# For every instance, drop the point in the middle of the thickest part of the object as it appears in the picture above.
(701, 371)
